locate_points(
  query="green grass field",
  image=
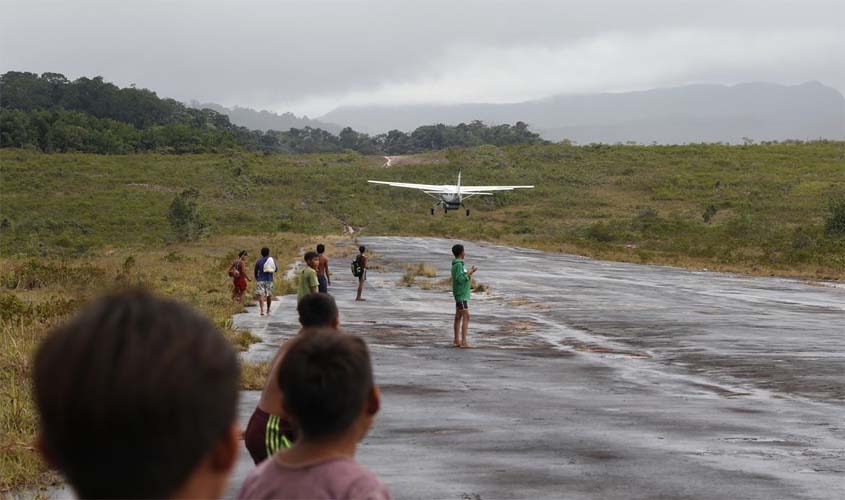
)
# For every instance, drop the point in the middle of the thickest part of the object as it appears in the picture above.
(74, 225)
(767, 204)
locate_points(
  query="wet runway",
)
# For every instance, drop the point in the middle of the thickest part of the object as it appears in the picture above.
(592, 379)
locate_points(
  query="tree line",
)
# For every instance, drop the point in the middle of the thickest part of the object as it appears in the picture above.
(53, 114)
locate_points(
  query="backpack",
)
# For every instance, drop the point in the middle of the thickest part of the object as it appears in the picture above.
(357, 268)
(233, 269)
(269, 265)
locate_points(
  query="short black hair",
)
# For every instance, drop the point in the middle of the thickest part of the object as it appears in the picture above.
(457, 250)
(310, 255)
(265, 252)
(326, 378)
(321, 248)
(362, 249)
(242, 253)
(132, 393)
(317, 309)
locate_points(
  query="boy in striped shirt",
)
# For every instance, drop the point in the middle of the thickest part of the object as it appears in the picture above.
(268, 430)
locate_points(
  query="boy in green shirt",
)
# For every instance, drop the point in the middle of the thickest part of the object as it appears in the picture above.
(461, 290)
(308, 282)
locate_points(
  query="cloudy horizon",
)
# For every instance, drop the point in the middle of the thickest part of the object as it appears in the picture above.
(311, 57)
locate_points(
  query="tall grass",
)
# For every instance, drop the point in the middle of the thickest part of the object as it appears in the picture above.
(761, 208)
(37, 294)
(412, 272)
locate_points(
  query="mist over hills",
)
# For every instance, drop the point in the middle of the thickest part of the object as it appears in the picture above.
(266, 120)
(692, 113)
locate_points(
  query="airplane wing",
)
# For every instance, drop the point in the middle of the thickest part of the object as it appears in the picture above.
(422, 187)
(479, 189)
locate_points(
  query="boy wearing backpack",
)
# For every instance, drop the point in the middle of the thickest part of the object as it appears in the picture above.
(264, 269)
(359, 270)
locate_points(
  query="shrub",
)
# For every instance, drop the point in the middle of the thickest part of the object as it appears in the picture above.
(478, 287)
(645, 219)
(184, 216)
(38, 274)
(835, 223)
(426, 270)
(709, 212)
(601, 231)
(408, 278)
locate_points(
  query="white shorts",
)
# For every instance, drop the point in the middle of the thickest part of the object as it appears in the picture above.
(264, 288)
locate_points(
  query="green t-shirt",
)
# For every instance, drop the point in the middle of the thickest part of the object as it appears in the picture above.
(460, 281)
(307, 279)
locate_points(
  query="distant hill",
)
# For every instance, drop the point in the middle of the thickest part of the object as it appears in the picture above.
(50, 113)
(266, 120)
(693, 113)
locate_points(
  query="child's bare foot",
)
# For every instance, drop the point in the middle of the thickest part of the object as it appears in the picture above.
(464, 345)
(456, 344)
(361, 300)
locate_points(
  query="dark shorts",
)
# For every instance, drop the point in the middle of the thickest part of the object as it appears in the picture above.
(265, 434)
(322, 284)
(462, 305)
(363, 276)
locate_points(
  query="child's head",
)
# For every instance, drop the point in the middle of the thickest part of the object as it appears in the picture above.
(242, 255)
(327, 382)
(321, 248)
(265, 252)
(318, 310)
(458, 251)
(312, 259)
(362, 249)
(137, 398)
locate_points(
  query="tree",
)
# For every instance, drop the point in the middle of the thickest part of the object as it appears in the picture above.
(835, 223)
(184, 216)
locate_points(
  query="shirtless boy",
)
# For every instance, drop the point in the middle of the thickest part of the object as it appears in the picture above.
(362, 263)
(324, 277)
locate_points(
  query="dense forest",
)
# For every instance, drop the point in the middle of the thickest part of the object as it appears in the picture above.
(50, 113)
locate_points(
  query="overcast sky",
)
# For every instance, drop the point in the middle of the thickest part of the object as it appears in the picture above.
(311, 56)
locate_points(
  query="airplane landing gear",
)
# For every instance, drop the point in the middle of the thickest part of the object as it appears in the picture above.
(467, 212)
(432, 211)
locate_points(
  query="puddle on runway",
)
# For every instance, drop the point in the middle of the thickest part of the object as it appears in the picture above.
(715, 325)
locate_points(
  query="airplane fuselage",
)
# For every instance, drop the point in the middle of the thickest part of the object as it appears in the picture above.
(451, 201)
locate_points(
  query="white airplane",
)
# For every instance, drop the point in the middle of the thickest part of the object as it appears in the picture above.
(451, 197)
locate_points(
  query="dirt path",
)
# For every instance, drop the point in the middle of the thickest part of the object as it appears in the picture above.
(399, 160)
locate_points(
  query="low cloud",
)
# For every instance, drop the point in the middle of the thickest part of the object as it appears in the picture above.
(611, 62)
(311, 56)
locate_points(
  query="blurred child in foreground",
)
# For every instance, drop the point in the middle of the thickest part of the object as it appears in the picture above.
(329, 395)
(137, 398)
